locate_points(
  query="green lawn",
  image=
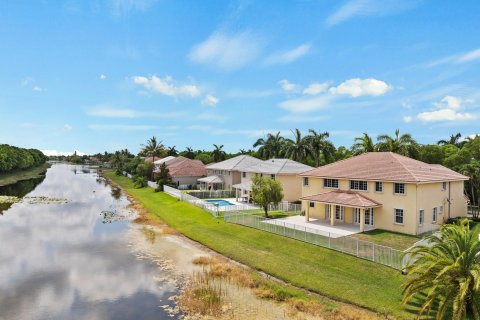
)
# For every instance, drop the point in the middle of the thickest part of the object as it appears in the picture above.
(330, 273)
(13, 177)
(390, 239)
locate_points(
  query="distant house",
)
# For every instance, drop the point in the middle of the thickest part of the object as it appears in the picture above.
(223, 175)
(384, 190)
(285, 171)
(183, 171)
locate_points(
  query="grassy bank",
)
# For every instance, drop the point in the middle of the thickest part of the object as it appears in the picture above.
(13, 177)
(327, 272)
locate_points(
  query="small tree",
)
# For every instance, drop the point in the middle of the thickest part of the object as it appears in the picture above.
(163, 176)
(266, 191)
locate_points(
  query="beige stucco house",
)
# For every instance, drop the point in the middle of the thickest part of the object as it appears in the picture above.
(223, 175)
(384, 190)
(283, 170)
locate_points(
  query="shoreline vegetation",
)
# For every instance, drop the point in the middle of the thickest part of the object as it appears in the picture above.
(20, 175)
(340, 286)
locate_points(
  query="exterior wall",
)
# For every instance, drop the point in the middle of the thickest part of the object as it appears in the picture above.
(229, 177)
(292, 186)
(185, 180)
(422, 196)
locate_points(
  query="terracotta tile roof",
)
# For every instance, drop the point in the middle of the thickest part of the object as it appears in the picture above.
(237, 163)
(184, 167)
(278, 166)
(385, 166)
(345, 198)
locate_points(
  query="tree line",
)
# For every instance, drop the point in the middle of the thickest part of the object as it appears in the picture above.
(14, 158)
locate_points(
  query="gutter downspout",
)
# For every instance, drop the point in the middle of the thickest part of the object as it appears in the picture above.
(449, 199)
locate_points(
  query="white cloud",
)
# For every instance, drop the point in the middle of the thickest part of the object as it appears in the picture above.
(61, 153)
(469, 56)
(37, 88)
(67, 127)
(448, 109)
(110, 112)
(316, 88)
(354, 8)
(408, 119)
(458, 58)
(227, 52)
(167, 86)
(103, 77)
(27, 80)
(289, 56)
(210, 100)
(306, 104)
(361, 87)
(288, 86)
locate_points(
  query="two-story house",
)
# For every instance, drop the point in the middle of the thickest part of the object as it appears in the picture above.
(384, 190)
(283, 170)
(223, 175)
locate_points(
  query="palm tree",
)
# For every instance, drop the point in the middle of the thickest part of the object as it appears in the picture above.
(401, 144)
(296, 149)
(363, 144)
(171, 151)
(153, 148)
(453, 140)
(319, 146)
(218, 154)
(189, 153)
(270, 147)
(444, 275)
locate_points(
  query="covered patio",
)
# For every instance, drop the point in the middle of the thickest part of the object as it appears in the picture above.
(243, 191)
(361, 209)
(211, 183)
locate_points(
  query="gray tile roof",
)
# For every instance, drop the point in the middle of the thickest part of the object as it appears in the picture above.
(278, 166)
(237, 163)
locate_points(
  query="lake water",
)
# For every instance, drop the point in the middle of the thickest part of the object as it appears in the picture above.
(76, 259)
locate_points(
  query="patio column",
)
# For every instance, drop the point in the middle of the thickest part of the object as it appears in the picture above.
(332, 215)
(307, 212)
(236, 194)
(362, 219)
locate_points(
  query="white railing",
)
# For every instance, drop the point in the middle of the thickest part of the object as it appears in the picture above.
(152, 184)
(172, 191)
(362, 249)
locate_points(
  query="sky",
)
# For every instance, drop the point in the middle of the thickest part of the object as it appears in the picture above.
(98, 76)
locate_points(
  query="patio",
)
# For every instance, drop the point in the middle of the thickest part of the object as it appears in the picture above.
(318, 226)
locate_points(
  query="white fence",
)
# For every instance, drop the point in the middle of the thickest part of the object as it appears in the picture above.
(152, 184)
(172, 191)
(350, 245)
(212, 194)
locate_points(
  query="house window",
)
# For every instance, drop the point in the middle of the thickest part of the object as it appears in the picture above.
(378, 186)
(305, 181)
(421, 217)
(312, 204)
(444, 186)
(244, 174)
(398, 216)
(368, 216)
(330, 183)
(434, 214)
(358, 185)
(399, 188)
(339, 212)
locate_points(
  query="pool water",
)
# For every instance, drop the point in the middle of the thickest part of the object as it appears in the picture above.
(220, 203)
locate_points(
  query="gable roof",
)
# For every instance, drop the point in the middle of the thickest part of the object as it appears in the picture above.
(343, 197)
(278, 166)
(237, 163)
(184, 167)
(385, 166)
(162, 160)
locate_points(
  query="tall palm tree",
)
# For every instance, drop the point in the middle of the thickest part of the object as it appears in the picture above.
(445, 274)
(296, 149)
(171, 151)
(402, 144)
(218, 154)
(363, 144)
(270, 147)
(153, 148)
(189, 153)
(453, 140)
(319, 146)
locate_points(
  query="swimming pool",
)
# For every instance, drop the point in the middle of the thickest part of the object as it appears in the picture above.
(220, 203)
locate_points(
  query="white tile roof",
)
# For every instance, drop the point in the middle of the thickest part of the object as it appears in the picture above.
(211, 179)
(160, 161)
(237, 163)
(278, 166)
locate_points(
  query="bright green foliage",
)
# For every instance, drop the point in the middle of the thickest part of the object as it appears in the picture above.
(14, 158)
(445, 274)
(163, 176)
(266, 191)
(144, 169)
(139, 182)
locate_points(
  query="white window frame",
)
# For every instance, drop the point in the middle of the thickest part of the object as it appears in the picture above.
(306, 181)
(328, 212)
(380, 183)
(325, 184)
(434, 215)
(341, 213)
(399, 184)
(357, 184)
(395, 216)
(369, 212)
(421, 217)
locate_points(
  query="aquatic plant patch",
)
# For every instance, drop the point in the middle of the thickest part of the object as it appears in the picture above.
(8, 200)
(44, 200)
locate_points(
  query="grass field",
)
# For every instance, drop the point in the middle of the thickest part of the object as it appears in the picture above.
(390, 239)
(13, 177)
(333, 274)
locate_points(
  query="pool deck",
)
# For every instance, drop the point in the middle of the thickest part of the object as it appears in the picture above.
(236, 205)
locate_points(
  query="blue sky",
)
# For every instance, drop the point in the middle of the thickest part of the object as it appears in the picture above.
(104, 75)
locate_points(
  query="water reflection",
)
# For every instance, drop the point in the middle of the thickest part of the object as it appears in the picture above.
(60, 261)
(21, 188)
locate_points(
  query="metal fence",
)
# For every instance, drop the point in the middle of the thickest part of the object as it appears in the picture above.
(359, 248)
(210, 207)
(212, 194)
